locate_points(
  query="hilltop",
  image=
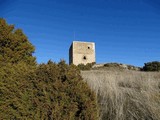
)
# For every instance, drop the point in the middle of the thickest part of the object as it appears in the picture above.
(116, 66)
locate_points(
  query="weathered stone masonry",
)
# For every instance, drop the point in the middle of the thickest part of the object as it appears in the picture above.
(81, 52)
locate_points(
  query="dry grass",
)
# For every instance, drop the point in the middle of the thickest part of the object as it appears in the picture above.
(126, 94)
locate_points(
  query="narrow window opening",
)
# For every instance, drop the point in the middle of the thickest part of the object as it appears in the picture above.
(84, 58)
(88, 47)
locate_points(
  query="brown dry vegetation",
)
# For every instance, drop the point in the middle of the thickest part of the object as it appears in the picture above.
(126, 94)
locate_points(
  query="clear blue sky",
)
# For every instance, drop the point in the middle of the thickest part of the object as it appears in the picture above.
(125, 31)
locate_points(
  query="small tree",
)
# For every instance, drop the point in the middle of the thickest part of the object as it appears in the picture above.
(152, 66)
(14, 45)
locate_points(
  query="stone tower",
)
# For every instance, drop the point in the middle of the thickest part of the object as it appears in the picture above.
(81, 52)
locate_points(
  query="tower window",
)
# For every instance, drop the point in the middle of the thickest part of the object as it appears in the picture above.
(84, 58)
(88, 47)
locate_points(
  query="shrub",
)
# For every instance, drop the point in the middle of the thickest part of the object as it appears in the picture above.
(14, 45)
(62, 94)
(15, 91)
(152, 66)
(88, 66)
(111, 65)
(50, 91)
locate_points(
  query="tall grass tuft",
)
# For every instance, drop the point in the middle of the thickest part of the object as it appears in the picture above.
(126, 95)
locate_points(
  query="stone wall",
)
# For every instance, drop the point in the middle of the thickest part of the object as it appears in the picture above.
(82, 52)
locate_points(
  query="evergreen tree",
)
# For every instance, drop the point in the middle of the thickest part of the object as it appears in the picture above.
(14, 45)
(152, 66)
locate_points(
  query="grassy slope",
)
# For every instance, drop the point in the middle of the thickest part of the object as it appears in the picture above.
(126, 94)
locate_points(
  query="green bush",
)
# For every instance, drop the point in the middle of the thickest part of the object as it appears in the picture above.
(62, 94)
(152, 66)
(112, 65)
(88, 66)
(14, 45)
(15, 91)
(50, 91)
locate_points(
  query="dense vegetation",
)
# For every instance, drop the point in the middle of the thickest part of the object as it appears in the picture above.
(14, 45)
(88, 66)
(43, 92)
(152, 66)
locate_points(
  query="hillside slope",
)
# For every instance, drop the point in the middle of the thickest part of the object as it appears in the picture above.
(126, 94)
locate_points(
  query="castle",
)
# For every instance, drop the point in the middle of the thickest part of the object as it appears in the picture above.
(82, 53)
